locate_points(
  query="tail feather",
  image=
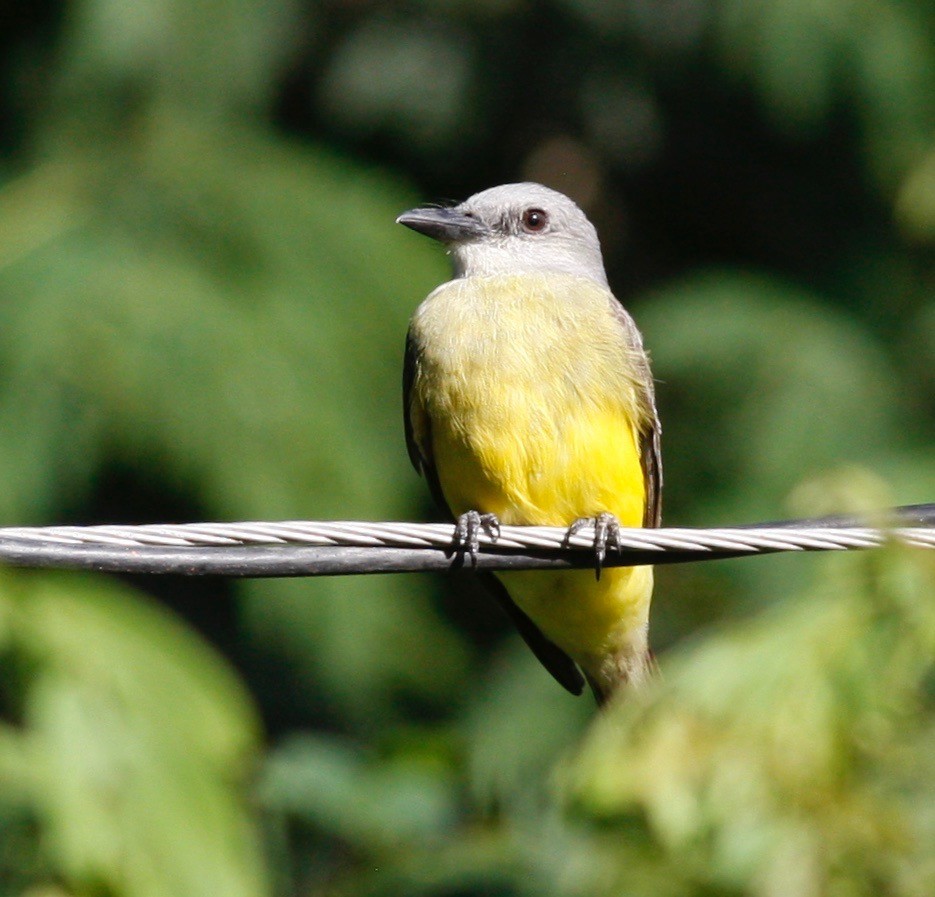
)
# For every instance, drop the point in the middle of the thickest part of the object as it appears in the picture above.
(624, 670)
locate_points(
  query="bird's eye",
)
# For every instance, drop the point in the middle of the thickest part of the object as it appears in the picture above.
(535, 220)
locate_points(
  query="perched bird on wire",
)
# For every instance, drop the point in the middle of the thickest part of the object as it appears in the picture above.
(528, 399)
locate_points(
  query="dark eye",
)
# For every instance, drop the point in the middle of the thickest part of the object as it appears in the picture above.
(535, 220)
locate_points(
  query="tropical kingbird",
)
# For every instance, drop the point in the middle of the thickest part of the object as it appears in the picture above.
(528, 399)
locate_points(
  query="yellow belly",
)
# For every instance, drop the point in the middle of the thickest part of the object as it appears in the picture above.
(528, 395)
(589, 619)
(579, 463)
(586, 464)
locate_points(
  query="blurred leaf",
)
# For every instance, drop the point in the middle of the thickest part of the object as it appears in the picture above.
(362, 642)
(403, 77)
(518, 724)
(219, 60)
(374, 805)
(235, 310)
(663, 28)
(788, 386)
(191, 296)
(788, 756)
(134, 746)
(806, 59)
(915, 207)
(763, 387)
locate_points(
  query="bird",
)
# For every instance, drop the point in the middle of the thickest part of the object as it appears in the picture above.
(528, 399)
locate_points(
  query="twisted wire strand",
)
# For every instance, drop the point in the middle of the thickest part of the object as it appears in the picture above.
(317, 548)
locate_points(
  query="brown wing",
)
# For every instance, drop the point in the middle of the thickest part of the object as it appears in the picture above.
(409, 376)
(419, 444)
(418, 427)
(651, 461)
(651, 430)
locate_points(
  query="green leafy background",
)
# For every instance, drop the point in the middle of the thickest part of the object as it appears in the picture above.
(203, 300)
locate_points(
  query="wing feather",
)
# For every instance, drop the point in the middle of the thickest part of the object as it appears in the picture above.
(649, 430)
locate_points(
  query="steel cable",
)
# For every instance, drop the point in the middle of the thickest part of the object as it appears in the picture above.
(322, 548)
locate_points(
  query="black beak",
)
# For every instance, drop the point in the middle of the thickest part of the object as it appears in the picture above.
(444, 225)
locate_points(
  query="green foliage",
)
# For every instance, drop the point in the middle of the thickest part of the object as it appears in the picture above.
(129, 749)
(203, 299)
(791, 755)
(376, 804)
(124, 339)
(806, 59)
(789, 384)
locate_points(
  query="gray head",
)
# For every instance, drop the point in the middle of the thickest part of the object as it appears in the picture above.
(514, 229)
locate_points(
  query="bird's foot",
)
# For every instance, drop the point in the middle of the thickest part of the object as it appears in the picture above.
(606, 533)
(468, 529)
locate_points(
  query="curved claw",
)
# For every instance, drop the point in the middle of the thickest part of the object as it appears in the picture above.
(606, 532)
(468, 529)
